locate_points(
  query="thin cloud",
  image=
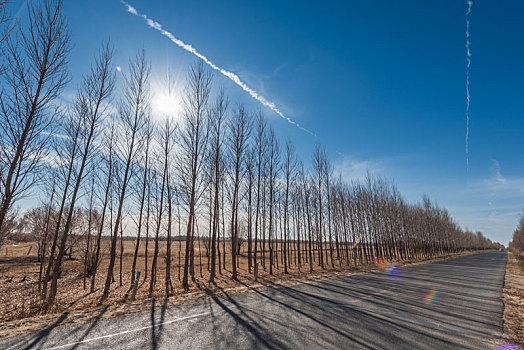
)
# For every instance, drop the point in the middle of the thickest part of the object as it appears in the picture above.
(495, 167)
(498, 184)
(157, 26)
(350, 168)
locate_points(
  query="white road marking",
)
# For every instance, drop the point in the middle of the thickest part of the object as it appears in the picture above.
(143, 328)
(131, 330)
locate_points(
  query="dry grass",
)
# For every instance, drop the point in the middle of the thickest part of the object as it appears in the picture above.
(19, 304)
(514, 300)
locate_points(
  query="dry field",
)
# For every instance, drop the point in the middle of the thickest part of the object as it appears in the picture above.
(19, 276)
(19, 302)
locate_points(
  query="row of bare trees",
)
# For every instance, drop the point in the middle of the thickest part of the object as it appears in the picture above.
(34, 72)
(517, 243)
(216, 174)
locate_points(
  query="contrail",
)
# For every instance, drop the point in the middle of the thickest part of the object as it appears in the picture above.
(13, 20)
(468, 60)
(230, 75)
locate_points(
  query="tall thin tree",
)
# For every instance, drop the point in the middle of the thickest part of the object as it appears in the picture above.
(36, 72)
(132, 115)
(193, 142)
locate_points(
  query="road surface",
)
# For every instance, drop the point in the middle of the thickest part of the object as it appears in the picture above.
(450, 304)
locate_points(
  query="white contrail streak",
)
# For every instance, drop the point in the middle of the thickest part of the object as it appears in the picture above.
(230, 75)
(468, 65)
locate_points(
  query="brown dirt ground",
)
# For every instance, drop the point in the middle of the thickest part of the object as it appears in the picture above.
(513, 297)
(19, 302)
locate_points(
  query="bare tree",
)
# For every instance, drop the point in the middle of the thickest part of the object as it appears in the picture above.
(164, 155)
(517, 243)
(167, 143)
(148, 215)
(36, 73)
(193, 142)
(46, 229)
(327, 169)
(132, 114)
(159, 196)
(109, 140)
(66, 153)
(273, 170)
(318, 168)
(142, 197)
(260, 145)
(250, 170)
(219, 114)
(90, 224)
(90, 108)
(239, 130)
(289, 174)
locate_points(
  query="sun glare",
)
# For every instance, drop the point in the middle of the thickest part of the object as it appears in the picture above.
(165, 104)
(166, 95)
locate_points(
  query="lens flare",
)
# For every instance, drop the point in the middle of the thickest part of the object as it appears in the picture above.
(508, 346)
(118, 68)
(394, 272)
(431, 296)
(358, 240)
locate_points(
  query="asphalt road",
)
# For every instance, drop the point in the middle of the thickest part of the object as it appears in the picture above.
(372, 311)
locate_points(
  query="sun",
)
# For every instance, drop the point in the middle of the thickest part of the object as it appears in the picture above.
(166, 104)
(166, 95)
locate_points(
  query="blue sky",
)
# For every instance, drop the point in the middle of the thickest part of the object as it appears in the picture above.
(381, 84)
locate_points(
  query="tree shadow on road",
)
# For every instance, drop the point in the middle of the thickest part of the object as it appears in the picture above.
(252, 326)
(337, 317)
(92, 325)
(41, 336)
(157, 328)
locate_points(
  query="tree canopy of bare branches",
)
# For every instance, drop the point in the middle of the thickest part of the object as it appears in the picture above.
(36, 73)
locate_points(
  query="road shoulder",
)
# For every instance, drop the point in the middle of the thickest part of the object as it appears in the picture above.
(513, 297)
